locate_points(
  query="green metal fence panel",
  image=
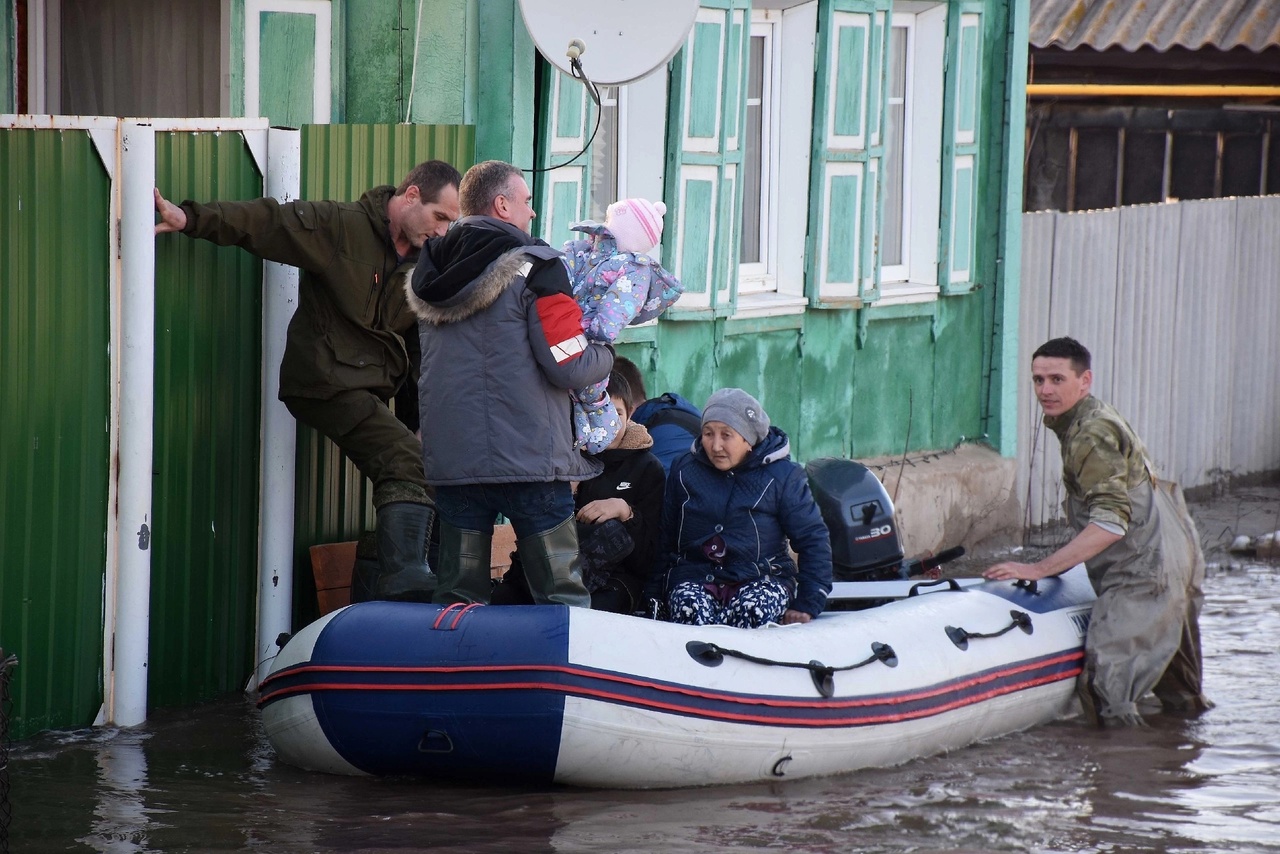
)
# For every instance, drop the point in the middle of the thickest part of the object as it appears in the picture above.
(55, 256)
(207, 415)
(333, 502)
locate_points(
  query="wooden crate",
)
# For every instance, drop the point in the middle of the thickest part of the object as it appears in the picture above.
(333, 564)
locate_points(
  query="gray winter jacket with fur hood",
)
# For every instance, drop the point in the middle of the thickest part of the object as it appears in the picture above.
(502, 344)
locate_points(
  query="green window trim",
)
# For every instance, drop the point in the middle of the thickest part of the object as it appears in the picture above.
(847, 149)
(566, 121)
(704, 156)
(961, 160)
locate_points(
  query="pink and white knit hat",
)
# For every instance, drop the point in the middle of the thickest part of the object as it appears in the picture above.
(636, 224)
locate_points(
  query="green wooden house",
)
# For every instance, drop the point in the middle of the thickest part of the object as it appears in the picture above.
(843, 185)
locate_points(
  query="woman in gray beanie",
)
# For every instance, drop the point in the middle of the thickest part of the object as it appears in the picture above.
(732, 506)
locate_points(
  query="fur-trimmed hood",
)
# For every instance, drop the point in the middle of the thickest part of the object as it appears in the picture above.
(464, 272)
(477, 296)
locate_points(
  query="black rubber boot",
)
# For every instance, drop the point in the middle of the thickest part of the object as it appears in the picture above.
(551, 565)
(403, 573)
(463, 569)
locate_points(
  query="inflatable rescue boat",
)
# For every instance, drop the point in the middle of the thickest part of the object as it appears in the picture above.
(896, 669)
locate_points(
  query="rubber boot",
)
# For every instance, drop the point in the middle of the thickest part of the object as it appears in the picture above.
(403, 573)
(463, 569)
(551, 565)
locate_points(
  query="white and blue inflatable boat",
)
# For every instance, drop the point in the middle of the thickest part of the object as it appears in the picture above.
(548, 694)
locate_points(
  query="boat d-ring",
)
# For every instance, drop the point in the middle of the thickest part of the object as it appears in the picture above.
(779, 767)
(435, 741)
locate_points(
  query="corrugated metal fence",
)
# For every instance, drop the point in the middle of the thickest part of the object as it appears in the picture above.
(1179, 304)
(59, 341)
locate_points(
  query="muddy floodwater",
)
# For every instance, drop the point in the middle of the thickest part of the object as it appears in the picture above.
(204, 779)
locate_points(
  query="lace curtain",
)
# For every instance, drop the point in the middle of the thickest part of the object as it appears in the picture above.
(140, 57)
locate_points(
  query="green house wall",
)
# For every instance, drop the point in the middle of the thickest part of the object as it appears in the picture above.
(883, 380)
(917, 383)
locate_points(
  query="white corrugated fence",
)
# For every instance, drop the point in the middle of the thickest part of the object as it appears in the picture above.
(1180, 305)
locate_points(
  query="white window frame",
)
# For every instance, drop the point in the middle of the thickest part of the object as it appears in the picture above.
(615, 97)
(776, 285)
(761, 276)
(916, 278)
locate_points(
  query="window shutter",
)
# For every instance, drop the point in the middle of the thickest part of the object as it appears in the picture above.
(288, 50)
(960, 187)
(561, 195)
(848, 148)
(704, 158)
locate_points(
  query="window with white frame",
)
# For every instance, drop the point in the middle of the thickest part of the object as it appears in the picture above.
(607, 153)
(913, 152)
(777, 120)
(759, 172)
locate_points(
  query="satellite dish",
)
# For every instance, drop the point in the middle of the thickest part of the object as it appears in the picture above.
(617, 41)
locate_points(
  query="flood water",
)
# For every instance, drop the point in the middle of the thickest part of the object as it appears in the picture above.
(205, 779)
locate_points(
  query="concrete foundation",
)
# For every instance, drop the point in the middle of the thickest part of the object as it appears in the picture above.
(964, 498)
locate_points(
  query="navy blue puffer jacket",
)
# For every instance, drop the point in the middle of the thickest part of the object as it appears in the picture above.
(755, 508)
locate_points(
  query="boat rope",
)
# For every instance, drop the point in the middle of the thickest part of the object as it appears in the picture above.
(458, 610)
(961, 637)
(712, 655)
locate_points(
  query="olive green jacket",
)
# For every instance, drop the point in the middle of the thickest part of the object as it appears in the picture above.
(1102, 460)
(349, 329)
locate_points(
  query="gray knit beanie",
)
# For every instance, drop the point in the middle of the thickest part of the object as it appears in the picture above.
(739, 410)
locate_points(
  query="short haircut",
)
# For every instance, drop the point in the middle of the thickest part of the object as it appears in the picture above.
(619, 387)
(483, 183)
(430, 178)
(627, 368)
(1066, 348)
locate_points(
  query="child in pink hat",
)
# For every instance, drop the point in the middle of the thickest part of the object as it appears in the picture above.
(617, 283)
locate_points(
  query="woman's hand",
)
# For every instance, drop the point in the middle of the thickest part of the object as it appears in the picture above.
(792, 617)
(604, 509)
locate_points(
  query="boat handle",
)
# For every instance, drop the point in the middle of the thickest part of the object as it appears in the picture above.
(713, 655)
(960, 637)
(951, 583)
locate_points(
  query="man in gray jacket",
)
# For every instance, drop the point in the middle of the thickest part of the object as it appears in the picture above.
(502, 344)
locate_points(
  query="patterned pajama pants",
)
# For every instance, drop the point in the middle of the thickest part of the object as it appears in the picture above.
(749, 607)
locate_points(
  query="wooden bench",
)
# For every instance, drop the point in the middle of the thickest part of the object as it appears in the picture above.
(333, 564)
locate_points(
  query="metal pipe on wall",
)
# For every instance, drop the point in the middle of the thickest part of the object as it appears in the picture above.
(1156, 90)
(128, 668)
(279, 430)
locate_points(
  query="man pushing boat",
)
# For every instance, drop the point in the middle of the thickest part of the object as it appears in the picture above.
(1136, 538)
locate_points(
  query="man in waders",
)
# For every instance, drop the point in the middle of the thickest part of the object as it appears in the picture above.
(345, 353)
(1136, 538)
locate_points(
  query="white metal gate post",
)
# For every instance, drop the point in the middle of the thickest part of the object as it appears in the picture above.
(128, 695)
(279, 430)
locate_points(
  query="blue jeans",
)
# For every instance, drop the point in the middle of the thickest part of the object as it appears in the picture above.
(533, 508)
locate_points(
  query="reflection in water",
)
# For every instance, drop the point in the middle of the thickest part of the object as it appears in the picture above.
(121, 822)
(204, 779)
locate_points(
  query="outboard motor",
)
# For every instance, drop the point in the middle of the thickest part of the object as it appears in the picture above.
(859, 516)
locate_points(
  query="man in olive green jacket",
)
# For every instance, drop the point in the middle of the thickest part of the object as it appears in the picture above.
(1138, 542)
(345, 354)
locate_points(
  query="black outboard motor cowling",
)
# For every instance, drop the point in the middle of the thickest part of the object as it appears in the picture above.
(859, 516)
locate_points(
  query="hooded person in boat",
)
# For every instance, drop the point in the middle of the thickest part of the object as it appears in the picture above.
(735, 508)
